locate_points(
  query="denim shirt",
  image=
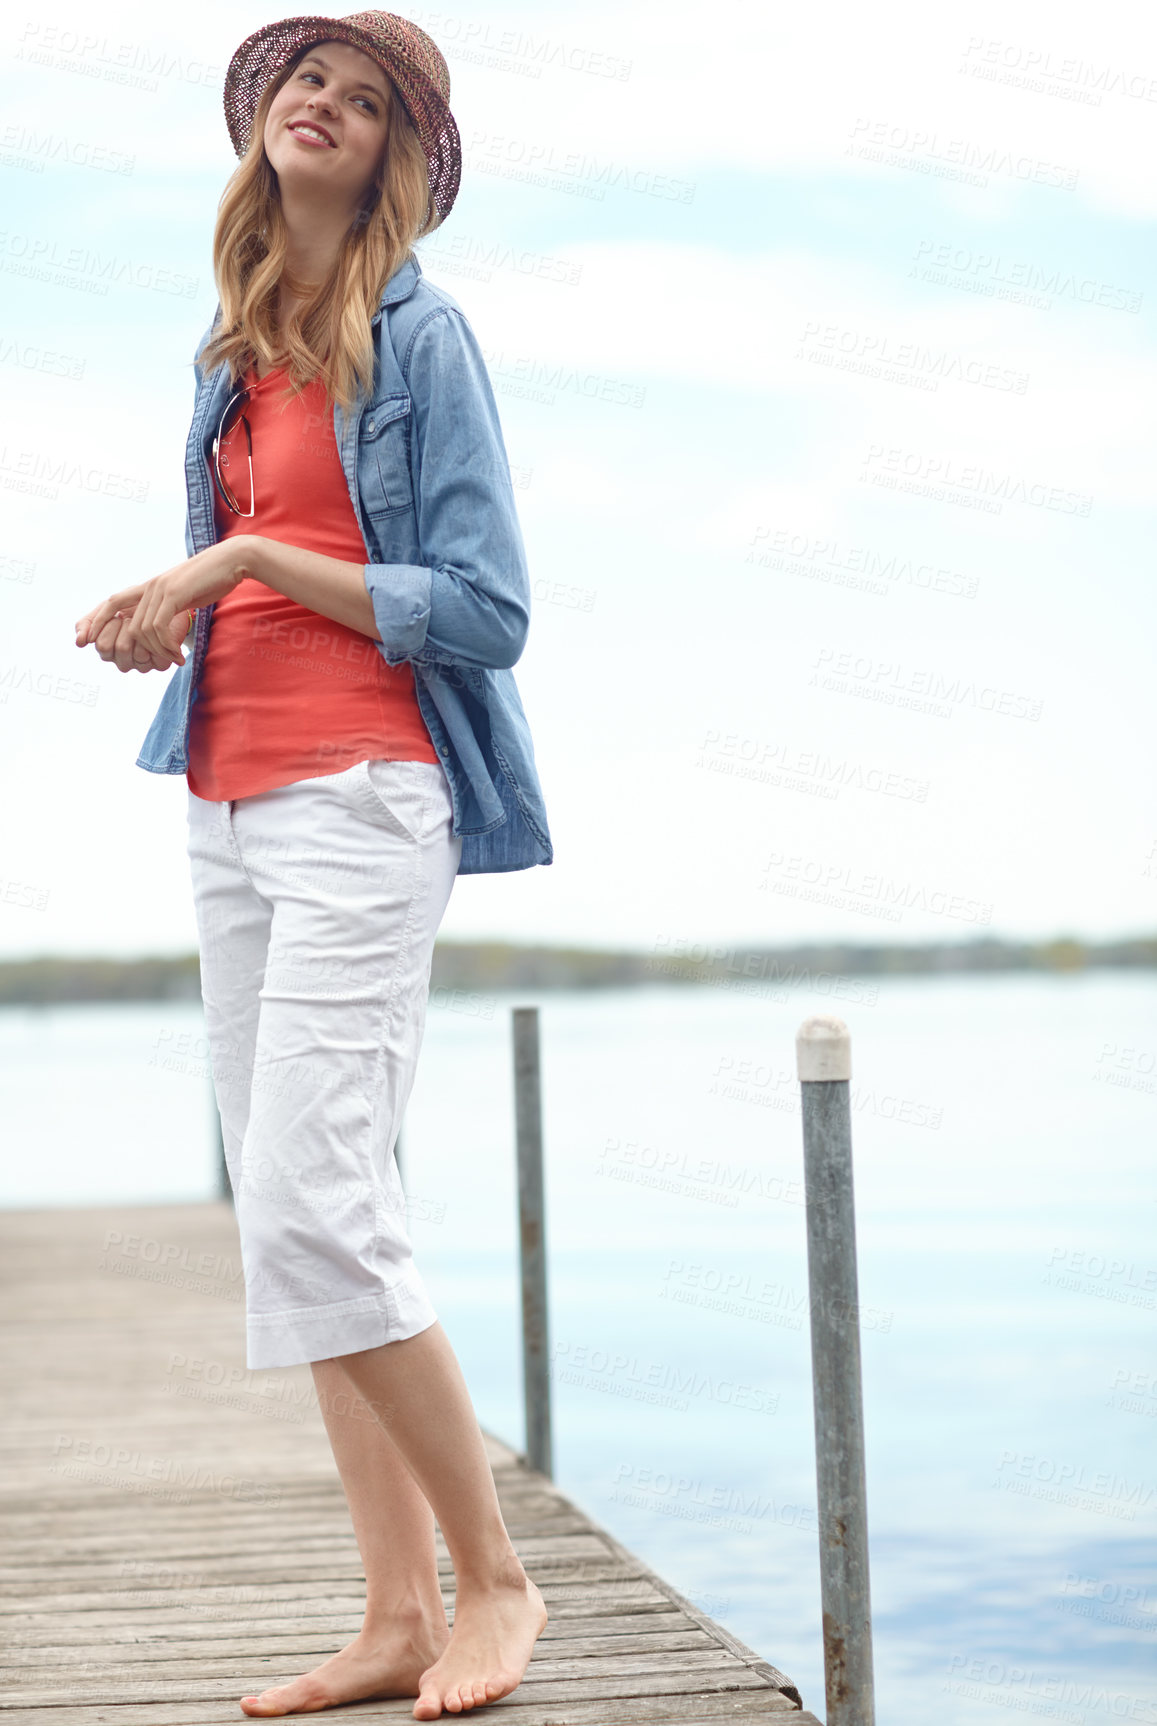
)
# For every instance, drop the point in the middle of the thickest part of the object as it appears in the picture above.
(428, 475)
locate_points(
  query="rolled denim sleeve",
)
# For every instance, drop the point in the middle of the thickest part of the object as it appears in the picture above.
(468, 602)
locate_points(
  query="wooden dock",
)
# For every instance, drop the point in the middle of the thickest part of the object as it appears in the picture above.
(176, 1535)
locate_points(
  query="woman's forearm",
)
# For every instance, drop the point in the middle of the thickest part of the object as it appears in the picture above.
(327, 585)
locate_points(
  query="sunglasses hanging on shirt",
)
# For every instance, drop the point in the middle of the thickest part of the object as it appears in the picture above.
(234, 411)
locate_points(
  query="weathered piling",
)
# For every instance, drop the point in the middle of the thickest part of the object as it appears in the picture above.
(824, 1065)
(532, 1239)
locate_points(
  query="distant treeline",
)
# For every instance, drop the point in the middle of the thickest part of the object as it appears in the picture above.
(477, 965)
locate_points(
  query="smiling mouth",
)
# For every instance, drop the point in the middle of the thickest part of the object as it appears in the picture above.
(305, 129)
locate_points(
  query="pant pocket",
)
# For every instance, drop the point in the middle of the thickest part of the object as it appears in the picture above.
(410, 797)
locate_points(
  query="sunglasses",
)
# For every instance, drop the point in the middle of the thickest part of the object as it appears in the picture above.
(227, 423)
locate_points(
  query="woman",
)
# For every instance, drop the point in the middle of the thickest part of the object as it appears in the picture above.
(348, 722)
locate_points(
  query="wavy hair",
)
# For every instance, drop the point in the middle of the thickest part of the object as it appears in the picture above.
(328, 333)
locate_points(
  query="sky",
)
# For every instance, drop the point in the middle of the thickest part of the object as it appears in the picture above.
(823, 347)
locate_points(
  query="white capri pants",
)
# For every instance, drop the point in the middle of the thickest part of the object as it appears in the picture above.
(317, 907)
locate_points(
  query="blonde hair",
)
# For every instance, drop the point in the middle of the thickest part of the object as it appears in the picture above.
(328, 333)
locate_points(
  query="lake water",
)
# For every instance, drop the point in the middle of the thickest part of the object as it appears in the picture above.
(1004, 1133)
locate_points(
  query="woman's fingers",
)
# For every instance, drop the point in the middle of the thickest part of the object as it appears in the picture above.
(125, 647)
(155, 631)
(163, 642)
(133, 654)
(97, 620)
(161, 622)
(119, 644)
(104, 636)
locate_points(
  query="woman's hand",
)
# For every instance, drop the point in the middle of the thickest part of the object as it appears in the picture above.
(142, 628)
(117, 640)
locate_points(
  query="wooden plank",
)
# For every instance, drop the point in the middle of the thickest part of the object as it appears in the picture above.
(619, 1711)
(78, 1629)
(567, 1689)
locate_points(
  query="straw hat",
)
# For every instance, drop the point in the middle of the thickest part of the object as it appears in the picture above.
(410, 58)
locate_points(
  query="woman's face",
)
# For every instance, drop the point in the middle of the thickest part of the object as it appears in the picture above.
(339, 92)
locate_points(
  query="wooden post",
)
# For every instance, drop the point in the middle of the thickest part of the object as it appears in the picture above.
(824, 1065)
(532, 1238)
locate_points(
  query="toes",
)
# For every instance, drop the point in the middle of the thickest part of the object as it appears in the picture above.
(428, 1706)
(281, 1700)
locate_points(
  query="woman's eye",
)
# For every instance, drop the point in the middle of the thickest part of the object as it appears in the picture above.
(371, 105)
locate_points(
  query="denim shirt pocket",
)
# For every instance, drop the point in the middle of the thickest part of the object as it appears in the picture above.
(384, 457)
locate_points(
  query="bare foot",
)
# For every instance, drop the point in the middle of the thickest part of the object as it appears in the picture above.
(495, 1629)
(380, 1664)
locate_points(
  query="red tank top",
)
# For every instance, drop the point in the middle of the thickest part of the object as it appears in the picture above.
(285, 693)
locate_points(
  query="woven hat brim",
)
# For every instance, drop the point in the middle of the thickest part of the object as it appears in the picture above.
(268, 50)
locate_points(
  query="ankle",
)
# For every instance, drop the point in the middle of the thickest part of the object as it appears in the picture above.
(492, 1576)
(414, 1618)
